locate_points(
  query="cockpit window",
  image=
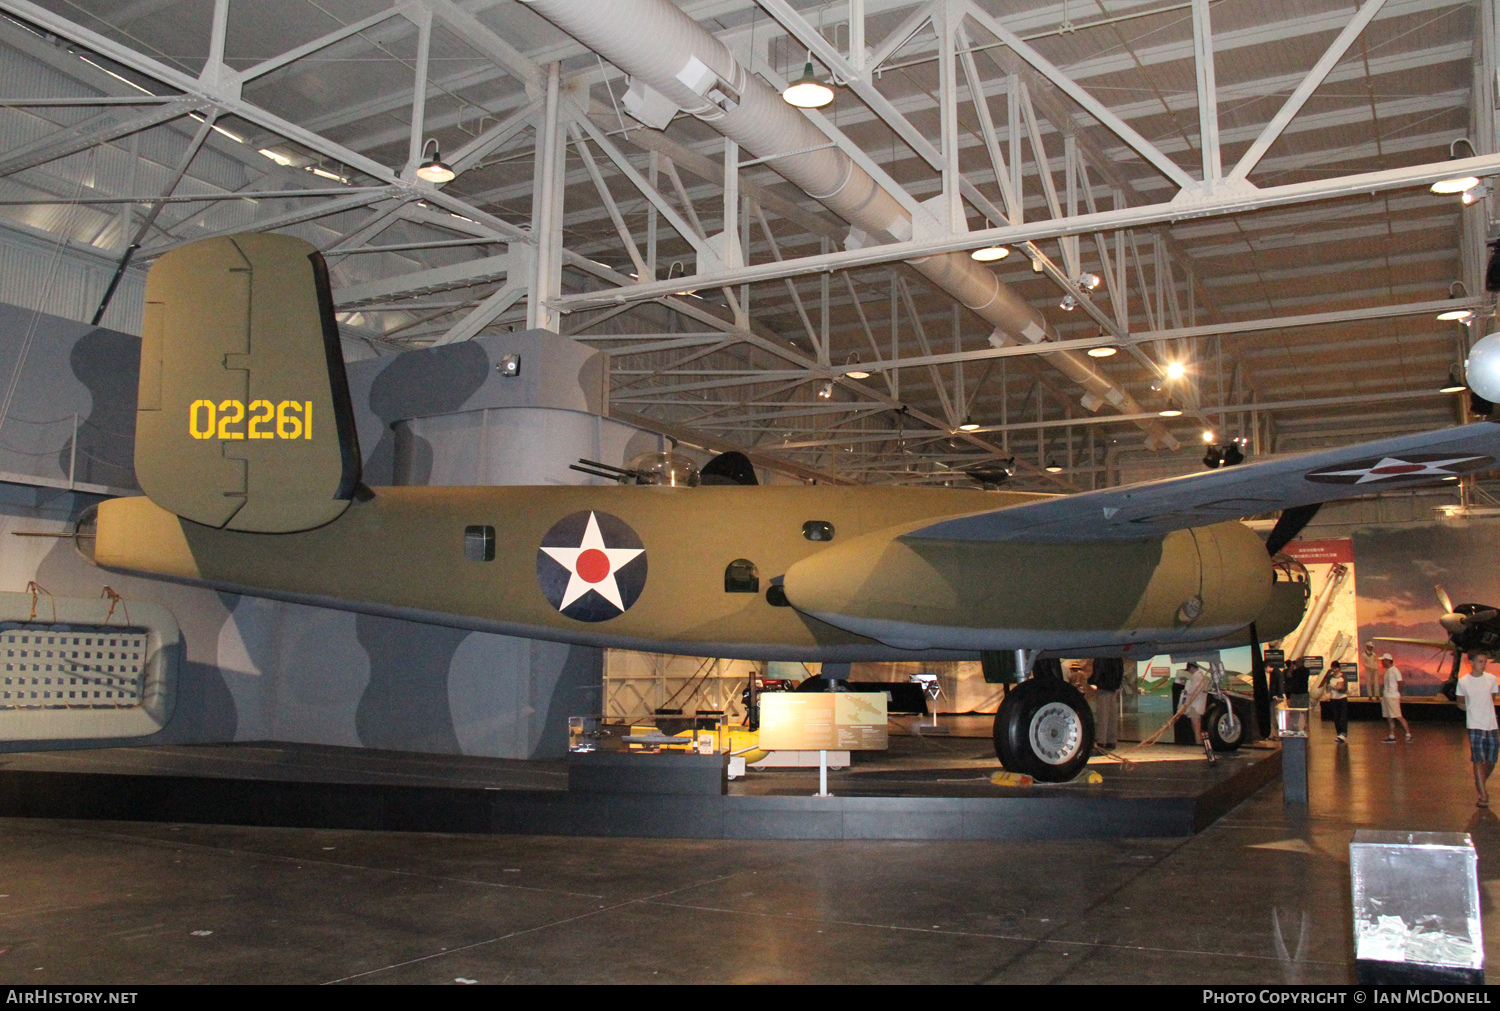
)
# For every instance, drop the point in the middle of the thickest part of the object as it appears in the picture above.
(740, 576)
(817, 530)
(479, 543)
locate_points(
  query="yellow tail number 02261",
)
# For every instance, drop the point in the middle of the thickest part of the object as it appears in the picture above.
(293, 419)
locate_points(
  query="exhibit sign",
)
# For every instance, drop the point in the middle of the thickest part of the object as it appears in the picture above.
(823, 721)
(1330, 625)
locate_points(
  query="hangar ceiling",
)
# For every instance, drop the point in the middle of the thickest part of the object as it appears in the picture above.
(1292, 266)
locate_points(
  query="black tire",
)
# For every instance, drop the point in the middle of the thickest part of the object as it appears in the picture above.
(1225, 728)
(1044, 729)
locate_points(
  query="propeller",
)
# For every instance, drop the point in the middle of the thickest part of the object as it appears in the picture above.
(1454, 622)
(1289, 524)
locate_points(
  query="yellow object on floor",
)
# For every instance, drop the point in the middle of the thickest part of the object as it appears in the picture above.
(1003, 778)
(1091, 778)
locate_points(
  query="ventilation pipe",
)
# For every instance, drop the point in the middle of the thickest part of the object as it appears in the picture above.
(672, 61)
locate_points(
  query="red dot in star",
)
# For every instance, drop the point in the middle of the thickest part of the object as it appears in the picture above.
(593, 565)
(1399, 468)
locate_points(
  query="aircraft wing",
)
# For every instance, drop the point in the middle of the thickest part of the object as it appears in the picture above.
(1434, 643)
(1152, 509)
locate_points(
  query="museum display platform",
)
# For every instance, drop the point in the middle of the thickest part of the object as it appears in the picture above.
(922, 788)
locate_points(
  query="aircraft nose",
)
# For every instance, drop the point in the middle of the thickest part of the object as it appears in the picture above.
(1452, 622)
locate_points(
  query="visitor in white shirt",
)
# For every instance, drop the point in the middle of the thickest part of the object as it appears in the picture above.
(1476, 693)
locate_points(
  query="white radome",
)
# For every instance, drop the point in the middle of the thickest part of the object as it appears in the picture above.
(1483, 367)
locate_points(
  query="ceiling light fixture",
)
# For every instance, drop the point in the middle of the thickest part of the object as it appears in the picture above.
(807, 92)
(1455, 383)
(989, 254)
(969, 425)
(1053, 467)
(855, 373)
(1208, 436)
(1176, 370)
(1088, 282)
(826, 390)
(1457, 290)
(433, 170)
(1170, 412)
(1457, 184)
(1104, 352)
(1068, 303)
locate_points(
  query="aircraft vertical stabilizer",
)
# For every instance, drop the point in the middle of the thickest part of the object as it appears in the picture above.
(244, 420)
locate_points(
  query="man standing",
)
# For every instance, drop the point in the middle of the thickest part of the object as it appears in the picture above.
(1109, 674)
(1338, 701)
(1195, 704)
(1476, 693)
(1390, 699)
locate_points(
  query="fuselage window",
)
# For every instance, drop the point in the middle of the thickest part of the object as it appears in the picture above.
(740, 577)
(817, 530)
(479, 544)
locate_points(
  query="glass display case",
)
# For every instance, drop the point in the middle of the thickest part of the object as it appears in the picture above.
(1416, 907)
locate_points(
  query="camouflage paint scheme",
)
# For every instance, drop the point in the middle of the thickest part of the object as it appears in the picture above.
(399, 551)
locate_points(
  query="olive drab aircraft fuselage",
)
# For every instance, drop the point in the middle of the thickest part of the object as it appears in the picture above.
(247, 452)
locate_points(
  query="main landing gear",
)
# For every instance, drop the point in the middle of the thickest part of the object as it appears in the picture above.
(1044, 729)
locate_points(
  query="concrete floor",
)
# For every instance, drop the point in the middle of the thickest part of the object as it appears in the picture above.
(1260, 897)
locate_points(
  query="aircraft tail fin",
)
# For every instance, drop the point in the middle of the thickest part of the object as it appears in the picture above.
(244, 420)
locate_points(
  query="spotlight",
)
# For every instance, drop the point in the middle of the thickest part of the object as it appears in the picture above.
(1088, 282)
(1170, 412)
(807, 92)
(1053, 467)
(1208, 436)
(1213, 457)
(433, 170)
(1068, 303)
(1176, 370)
(1233, 454)
(1156, 385)
(990, 253)
(826, 390)
(1474, 194)
(969, 425)
(1104, 352)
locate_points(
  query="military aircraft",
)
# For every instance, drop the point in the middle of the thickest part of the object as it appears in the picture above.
(246, 450)
(1470, 627)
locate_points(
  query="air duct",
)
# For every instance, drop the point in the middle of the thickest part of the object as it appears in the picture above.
(666, 51)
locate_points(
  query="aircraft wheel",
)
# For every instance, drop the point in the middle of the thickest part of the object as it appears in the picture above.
(1225, 729)
(1044, 729)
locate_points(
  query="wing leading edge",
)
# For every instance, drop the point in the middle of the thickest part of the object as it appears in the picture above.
(1153, 509)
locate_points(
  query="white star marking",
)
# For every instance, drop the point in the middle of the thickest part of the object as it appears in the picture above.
(606, 585)
(1393, 467)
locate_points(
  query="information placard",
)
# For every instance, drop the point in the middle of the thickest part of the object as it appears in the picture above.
(823, 721)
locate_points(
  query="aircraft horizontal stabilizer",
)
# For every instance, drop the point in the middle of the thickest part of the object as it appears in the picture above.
(1156, 508)
(244, 420)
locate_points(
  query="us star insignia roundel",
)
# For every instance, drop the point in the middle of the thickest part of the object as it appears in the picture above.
(591, 566)
(1402, 467)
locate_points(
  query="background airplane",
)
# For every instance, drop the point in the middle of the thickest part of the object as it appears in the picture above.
(246, 449)
(1469, 626)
